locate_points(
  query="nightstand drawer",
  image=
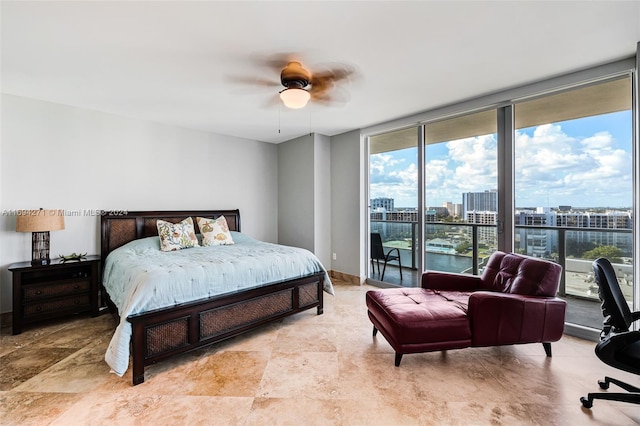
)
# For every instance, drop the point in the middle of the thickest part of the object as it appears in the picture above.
(57, 289)
(75, 303)
(47, 290)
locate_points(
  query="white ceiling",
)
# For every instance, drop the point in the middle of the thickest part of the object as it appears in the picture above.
(174, 62)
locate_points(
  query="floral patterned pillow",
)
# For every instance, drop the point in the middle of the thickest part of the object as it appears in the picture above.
(215, 232)
(176, 236)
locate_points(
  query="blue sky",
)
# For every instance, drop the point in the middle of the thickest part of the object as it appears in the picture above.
(582, 163)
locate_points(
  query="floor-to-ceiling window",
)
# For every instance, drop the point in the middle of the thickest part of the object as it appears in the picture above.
(393, 205)
(574, 187)
(545, 170)
(461, 192)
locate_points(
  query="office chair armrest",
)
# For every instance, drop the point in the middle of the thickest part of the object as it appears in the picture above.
(635, 316)
(609, 345)
(625, 338)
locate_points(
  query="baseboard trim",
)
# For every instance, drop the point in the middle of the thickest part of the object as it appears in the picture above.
(582, 332)
(6, 319)
(351, 279)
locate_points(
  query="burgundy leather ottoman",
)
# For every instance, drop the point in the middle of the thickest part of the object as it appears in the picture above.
(420, 320)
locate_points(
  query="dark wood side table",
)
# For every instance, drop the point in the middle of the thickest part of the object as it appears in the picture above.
(59, 289)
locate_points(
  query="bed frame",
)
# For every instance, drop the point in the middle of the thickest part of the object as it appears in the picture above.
(163, 333)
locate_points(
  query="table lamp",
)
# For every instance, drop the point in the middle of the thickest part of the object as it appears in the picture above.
(39, 223)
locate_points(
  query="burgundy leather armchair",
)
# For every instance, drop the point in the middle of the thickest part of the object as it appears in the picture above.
(514, 301)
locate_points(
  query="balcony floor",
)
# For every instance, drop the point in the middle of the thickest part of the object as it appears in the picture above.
(392, 276)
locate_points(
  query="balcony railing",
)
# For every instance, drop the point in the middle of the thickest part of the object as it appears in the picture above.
(466, 246)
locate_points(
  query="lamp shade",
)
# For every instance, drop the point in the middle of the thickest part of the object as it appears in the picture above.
(40, 220)
(295, 98)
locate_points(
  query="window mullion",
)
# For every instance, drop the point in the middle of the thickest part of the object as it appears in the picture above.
(506, 202)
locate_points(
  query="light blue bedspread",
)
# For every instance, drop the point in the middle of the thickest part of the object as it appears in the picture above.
(139, 277)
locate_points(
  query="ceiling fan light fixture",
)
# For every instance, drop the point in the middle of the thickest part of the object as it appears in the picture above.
(295, 98)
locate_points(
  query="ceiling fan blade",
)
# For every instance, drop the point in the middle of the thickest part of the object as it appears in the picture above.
(335, 74)
(333, 97)
(325, 84)
(253, 81)
(320, 87)
(277, 61)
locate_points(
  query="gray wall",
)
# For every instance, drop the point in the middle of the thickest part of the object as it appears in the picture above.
(60, 157)
(347, 203)
(322, 201)
(304, 195)
(296, 193)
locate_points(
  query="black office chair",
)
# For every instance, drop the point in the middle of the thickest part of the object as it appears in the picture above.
(618, 347)
(378, 254)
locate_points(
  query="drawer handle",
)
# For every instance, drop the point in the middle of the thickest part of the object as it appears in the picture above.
(75, 287)
(38, 308)
(76, 301)
(38, 292)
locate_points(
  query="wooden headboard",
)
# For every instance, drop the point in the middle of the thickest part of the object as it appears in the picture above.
(118, 228)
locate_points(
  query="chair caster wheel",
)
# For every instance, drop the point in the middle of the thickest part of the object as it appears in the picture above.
(603, 384)
(585, 402)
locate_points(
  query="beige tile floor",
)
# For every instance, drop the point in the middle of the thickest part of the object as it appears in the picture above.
(304, 370)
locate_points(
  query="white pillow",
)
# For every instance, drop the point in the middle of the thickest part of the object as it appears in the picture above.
(176, 236)
(215, 232)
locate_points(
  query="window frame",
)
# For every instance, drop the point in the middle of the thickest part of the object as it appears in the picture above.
(504, 102)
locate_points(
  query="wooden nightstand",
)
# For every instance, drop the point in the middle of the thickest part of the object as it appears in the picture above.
(49, 291)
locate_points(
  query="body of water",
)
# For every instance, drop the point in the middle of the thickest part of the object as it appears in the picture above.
(440, 261)
(449, 262)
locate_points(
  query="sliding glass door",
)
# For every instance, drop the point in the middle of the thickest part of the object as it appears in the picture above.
(393, 207)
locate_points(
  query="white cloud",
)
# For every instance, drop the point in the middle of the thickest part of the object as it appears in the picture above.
(600, 140)
(470, 166)
(554, 168)
(551, 168)
(378, 163)
(390, 177)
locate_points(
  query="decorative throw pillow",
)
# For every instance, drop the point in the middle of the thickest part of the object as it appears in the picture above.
(215, 232)
(176, 236)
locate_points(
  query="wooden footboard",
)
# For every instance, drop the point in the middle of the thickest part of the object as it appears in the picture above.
(163, 333)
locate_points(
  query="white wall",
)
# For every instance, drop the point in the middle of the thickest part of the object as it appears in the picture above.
(60, 157)
(347, 200)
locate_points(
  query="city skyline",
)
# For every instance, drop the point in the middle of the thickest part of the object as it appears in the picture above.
(584, 163)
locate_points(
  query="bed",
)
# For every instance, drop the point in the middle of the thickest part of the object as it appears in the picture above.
(152, 329)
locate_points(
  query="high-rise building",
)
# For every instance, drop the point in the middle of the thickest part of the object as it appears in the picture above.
(607, 220)
(454, 209)
(542, 242)
(442, 211)
(479, 201)
(485, 233)
(384, 203)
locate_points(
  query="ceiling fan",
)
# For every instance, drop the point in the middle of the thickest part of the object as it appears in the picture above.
(302, 85)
